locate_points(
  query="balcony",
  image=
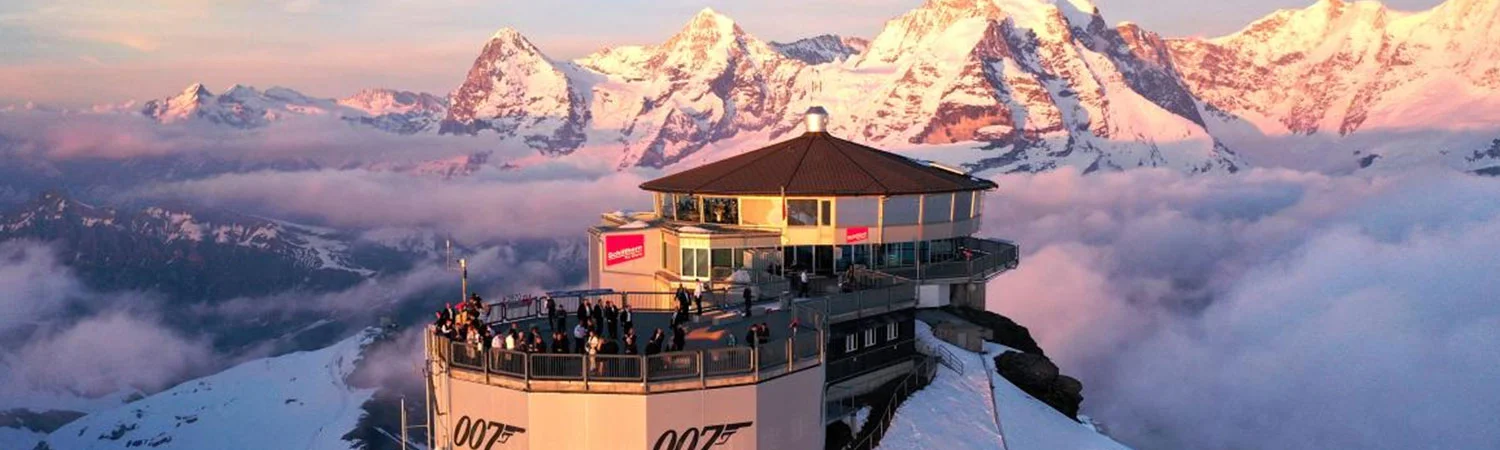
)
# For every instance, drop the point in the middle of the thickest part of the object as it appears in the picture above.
(987, 258)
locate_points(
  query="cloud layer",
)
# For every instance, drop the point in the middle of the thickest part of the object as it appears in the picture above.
(1273, 309)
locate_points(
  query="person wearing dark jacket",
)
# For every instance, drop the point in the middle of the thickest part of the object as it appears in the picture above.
(630, 348)
(559, 342)
(627, 319)
(679, 339)
(583, 310)
(551, 307)
(596, 318)
(612, 320)
(653, 346)
(748, 297)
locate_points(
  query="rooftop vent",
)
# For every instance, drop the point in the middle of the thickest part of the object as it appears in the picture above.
(817, 119)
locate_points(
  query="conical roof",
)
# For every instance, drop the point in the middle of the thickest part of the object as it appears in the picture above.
(817, 164)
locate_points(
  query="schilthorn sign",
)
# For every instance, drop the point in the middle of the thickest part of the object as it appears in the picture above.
(624, 248)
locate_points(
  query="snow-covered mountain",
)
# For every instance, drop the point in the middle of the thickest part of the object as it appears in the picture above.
(822, 49)
(297, 400)
(1003, 85)
(246, 107)
(1397, 87)
(1038, 83)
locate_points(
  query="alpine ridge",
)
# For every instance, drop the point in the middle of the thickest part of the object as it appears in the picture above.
(997, 85)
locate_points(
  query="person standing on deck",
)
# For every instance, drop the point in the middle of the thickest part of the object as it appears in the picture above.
(627, 319)
(748, 297)
(630, 348)
(653, 346)
(803, 287)
(612, 318)
(698, 294)
(580, 332)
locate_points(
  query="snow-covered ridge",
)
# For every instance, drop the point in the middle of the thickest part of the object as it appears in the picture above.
(999, 85)
(297, 400)
(822, 49)
(246, 107)
(310, 247)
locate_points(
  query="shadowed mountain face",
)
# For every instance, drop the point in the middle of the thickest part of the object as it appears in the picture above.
(194, 256)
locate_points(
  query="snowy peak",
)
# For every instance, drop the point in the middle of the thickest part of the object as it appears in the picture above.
(516, 91)
(822, 49)
(376, 102)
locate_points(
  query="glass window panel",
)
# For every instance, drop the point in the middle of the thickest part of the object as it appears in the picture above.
(901, 210)
(801, 212)
(668, 206)
(963, 203)
(687, 208)
(702, 260)
(827, 208)
(760, 211)
(858, 212)
(725, 210)
(937, 208)
(689, 267)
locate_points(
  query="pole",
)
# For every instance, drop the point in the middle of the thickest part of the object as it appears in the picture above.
(403, 422)
(427, 373)
(464, 265)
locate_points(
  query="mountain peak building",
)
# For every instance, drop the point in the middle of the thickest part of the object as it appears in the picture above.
(875, 235)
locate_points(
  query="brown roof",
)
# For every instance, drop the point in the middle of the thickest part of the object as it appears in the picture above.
(816, 164)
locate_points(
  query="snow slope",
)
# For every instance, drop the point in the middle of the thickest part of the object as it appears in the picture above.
(294, 401)
(954, 412)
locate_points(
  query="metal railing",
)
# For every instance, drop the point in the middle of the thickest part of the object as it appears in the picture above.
(947, 358)
(803, 350)
(985, 259)
(922, 374)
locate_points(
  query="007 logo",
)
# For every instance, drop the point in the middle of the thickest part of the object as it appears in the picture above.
(710, 436)
(480, 433)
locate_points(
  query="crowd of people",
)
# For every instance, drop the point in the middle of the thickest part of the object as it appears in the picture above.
(599, 328)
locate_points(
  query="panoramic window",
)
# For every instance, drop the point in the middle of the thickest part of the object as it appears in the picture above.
(668, 205)
(963, 205)
(760, 211)
(687, 208)
(937, 208)
(901, 210)
(800, 212)
(725, 210)
(859, 211)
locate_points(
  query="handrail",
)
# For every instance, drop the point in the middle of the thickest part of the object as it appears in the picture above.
(945, 357)
(904, 388)
(805, 349)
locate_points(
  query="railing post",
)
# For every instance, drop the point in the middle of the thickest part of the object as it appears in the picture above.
(702, 378)
(526, 370)
(755, 359)
(790, 357)
(585, 365)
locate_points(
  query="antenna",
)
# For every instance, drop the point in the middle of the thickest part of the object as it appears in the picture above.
(463, 264)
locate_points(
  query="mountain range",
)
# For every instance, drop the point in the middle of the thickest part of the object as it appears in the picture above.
(1001, 85)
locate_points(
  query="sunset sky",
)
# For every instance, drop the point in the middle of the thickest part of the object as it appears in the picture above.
(79, 52)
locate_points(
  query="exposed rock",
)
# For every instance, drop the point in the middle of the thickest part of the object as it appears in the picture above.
(1040, 378)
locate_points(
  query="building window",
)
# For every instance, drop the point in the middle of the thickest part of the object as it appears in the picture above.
(892, 331)
(695, 263)
(801, 212)
(687, 208)
(723, 262)
(869, 338)
(937, 208)
(724, 210)
(760, 211)
(963, 206)
(826, 208)
(850, 343)
(668, 206)
(902, 210)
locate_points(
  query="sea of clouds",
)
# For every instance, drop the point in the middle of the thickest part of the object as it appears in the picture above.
(1272, 308)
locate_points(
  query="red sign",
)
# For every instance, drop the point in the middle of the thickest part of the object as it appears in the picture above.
(855, 235)
(624, 248)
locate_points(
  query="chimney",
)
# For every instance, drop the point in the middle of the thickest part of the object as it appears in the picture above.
(817, 119)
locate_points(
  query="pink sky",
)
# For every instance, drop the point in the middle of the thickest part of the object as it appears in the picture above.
(81, 52)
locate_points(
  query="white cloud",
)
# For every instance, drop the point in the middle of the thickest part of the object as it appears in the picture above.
(1272, 309)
